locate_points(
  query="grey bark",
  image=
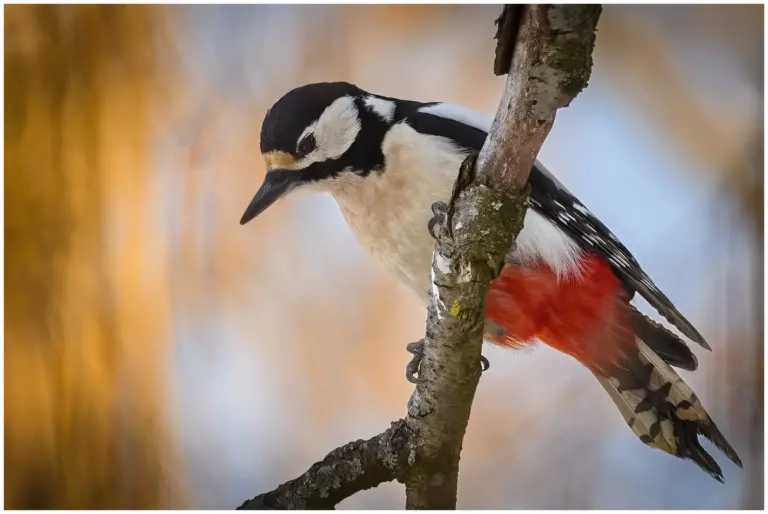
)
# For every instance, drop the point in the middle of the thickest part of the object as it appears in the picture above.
(478, 228)
(351, 468)
(546, 50)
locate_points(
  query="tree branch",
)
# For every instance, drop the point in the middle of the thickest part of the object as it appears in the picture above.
(351, 468)
(551, 64)
(547, 50)
(479, 226)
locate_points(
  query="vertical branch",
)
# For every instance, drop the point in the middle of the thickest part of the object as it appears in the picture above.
(479, 228)
(550, 64)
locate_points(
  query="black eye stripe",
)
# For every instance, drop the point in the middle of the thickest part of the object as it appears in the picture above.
(306, 145)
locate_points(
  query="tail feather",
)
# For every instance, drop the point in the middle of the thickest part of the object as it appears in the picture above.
(664, 343)
(590, 318)
(689, 405)
(662, 410)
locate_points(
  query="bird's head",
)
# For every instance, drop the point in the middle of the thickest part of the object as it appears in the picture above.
(315, 133)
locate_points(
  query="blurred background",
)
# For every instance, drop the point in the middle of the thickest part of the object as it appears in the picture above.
(158, 354)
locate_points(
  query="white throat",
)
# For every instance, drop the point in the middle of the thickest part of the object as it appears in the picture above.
(388, 211)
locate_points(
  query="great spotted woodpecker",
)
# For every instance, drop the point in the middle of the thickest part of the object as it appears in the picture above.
(567, 283)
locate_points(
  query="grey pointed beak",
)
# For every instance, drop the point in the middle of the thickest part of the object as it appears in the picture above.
(276, 184)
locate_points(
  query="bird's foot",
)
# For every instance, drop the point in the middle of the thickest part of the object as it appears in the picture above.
(417, 350)
(439, 219)
(412, 368)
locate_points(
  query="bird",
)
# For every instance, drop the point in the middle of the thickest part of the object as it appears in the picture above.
(568, 282)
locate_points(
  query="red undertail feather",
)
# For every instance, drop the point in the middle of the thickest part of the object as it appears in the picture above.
(585, 315)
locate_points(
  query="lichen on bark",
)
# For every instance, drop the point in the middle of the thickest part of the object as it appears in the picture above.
(564, 66)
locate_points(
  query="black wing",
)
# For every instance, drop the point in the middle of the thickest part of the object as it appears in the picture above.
(559, 206)
(553, 201)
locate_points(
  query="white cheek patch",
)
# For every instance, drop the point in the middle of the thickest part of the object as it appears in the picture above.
(334, 131)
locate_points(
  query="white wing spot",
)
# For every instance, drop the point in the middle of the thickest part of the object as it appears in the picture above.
(619, 261)
(593, 239)
(581, 208)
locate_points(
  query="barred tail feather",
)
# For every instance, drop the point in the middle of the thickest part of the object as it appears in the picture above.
(662, 410)
(590, 318)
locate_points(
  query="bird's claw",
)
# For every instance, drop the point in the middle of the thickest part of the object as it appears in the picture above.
(412, 368)
(439, 219)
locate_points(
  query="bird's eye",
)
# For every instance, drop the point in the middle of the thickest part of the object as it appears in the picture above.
(307, 144)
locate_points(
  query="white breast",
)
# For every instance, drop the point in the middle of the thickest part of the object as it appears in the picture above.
(389, 211)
